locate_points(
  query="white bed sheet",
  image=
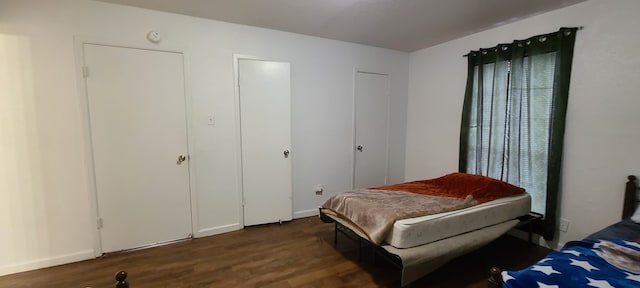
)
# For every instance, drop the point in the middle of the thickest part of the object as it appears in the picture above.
(417, 231)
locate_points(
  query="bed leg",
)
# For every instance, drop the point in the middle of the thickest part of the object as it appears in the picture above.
(373, 256)
(495, 278)
(359, 249)
(121, 280)
(335, 234)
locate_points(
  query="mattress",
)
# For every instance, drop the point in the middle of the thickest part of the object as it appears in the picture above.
(417, 231)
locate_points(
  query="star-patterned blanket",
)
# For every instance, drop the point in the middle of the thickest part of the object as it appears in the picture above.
(603, 264)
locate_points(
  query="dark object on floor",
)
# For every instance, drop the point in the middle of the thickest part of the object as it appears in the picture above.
(121, 281)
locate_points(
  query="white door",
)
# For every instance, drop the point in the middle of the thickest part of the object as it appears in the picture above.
(138, 131)
(371, 129)
(265, 120)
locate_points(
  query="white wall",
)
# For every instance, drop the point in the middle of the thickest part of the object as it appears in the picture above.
(602, 133)
(45, 181)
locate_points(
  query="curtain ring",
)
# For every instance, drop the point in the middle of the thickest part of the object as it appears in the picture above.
(484, 52)
(520, 44)
(528, 42)
(505, 48)
(542, 38)
(567, 32)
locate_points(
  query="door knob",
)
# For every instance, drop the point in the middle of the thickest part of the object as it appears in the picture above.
(360, 148)
(286, 153)
(181, 159)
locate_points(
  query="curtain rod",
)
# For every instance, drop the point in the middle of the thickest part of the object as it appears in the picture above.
(579, 28)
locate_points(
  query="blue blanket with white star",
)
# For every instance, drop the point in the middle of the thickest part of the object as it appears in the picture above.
(613, 263)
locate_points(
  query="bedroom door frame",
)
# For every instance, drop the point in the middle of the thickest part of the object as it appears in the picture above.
(238, 108)
(79, 42)
(354, 143)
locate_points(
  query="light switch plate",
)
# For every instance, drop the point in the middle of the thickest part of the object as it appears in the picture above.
(564, 225)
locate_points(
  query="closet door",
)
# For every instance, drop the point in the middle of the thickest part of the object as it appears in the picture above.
(371, 129)
(265, 120)
(139, 137)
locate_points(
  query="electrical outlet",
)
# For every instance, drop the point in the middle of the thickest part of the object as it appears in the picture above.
(564, 225)
(319, 189)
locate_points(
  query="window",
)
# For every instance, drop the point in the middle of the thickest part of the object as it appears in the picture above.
(514, 114)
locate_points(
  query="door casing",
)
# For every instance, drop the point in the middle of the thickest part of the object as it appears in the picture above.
(79, 42)
(241, 184)
(355, 143)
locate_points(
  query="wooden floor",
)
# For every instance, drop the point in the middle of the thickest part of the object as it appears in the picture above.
(299, 253)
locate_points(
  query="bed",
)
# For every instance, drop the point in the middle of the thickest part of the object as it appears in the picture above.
(607, 258)
(421, 225)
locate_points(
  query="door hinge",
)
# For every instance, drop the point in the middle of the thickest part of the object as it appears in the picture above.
(99, 222)
(85, 71)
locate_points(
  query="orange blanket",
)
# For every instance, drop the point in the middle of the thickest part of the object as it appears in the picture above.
(459, 185)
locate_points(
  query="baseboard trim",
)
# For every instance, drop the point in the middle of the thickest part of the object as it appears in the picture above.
(305, 213)
(46, 262)
(217, 230)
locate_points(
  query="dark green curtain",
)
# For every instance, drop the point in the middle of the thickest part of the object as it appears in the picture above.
(513, 117)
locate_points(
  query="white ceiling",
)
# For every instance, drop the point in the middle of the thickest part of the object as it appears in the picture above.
(405, 25)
